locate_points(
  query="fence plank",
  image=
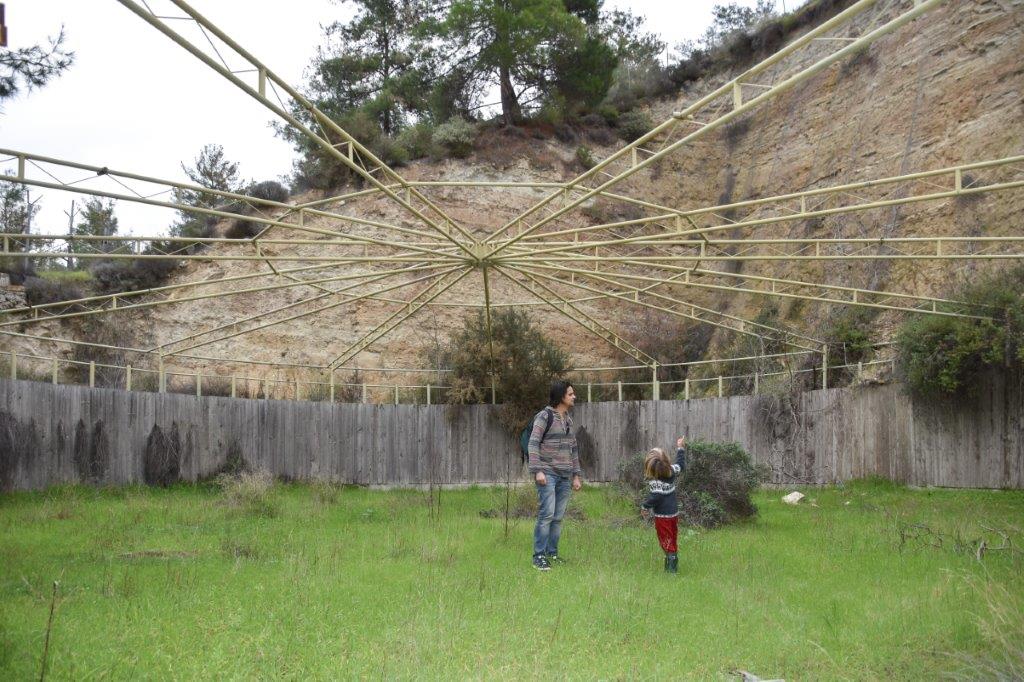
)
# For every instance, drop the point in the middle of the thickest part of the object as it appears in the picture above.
(830, 435)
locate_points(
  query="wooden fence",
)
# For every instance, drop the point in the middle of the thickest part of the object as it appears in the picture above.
(64, 434)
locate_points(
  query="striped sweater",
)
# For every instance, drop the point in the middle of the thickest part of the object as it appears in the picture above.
(558, 452)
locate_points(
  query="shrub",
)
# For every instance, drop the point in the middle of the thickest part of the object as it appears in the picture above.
(132, 275)
(849, 341)
(609, 113)
(455, 137)
(714, 490)
(269, 190)
(391, 152)
(39, 291)
(250, 492)
(943, 356)
(525, 363)
(634, 124)
(584, 158)
(241, 228)
(417, 140)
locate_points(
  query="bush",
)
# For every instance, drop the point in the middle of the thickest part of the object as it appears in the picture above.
(633, 125)
(609, 113)
(241, 228)
(714, 490)
(943, 356)
(391, 152)
(417, 140)
(525, 363)
(584, 158)
(39, 291)
(455, 137)
(250, 492)
(269, 190)
(118, 276)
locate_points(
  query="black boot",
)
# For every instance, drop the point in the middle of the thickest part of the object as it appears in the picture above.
(671, 562)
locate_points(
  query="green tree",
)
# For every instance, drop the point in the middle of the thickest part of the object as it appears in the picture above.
(509, 44)
(372, 78)
(731, 18)
(374, 62)
(32, 67)
(525, 362)
(97, 220)
(17, 211)
(211, 170)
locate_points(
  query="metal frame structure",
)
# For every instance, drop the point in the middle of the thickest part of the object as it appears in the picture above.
(558, 260)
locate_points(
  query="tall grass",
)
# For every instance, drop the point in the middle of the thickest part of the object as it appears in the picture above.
(174, 583)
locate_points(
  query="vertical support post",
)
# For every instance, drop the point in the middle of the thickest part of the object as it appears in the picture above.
(21, 167)
(56, 371)
(428, 393)
(161, 382)
(128, 378)
(263, 83)
(757, 382)
(396, 394)
(655, 386)
(824, 365)
(686, 388)
(331, 389)
(721, 386)
(296, 388)
(199, 383)
(364, 394)
(92, 374)
(737, 95)
(958, 180)
(860, 369)
(494, 391)
(234, 387)
(620, 390)
(14, 365)
(590, 398)
(266, 389)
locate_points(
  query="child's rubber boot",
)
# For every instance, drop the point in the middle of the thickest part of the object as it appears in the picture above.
(672, 563)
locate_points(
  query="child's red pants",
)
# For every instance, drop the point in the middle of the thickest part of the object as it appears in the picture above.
(668, 531)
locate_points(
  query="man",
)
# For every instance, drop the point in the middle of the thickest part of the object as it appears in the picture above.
(555, 466)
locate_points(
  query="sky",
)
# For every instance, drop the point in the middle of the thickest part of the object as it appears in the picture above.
(135, 101)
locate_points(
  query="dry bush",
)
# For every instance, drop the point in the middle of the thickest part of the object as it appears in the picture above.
(250, 492)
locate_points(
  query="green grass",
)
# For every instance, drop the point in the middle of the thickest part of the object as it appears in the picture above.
(319, 585)
(74, 276)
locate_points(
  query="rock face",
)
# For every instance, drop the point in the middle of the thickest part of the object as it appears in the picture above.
(10, 297)
(944, 90)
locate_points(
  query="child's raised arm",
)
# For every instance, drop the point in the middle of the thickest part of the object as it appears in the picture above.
(681, 453)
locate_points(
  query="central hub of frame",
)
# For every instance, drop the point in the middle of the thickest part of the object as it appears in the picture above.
(479, 254)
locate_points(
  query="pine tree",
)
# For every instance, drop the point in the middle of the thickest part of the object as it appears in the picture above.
(213, 171)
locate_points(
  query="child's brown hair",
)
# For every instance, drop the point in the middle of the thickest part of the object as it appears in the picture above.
(657, 464)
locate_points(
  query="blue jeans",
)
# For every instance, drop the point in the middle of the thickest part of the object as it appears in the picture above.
(552, 498)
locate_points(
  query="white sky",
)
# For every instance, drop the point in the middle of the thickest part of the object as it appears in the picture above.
(135, 101)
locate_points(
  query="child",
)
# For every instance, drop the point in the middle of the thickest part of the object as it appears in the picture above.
(661, 498)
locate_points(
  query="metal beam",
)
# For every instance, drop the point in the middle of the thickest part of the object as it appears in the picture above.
(580, 317)
(412, 307)
(920, 7)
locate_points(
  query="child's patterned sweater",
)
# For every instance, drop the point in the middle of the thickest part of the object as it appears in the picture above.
(661, 492)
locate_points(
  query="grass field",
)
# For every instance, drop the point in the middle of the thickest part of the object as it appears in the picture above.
(321, 583)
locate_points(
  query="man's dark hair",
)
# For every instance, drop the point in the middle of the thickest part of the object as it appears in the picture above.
(558, 391)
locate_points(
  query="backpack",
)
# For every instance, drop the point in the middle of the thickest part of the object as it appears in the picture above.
(524, 435)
